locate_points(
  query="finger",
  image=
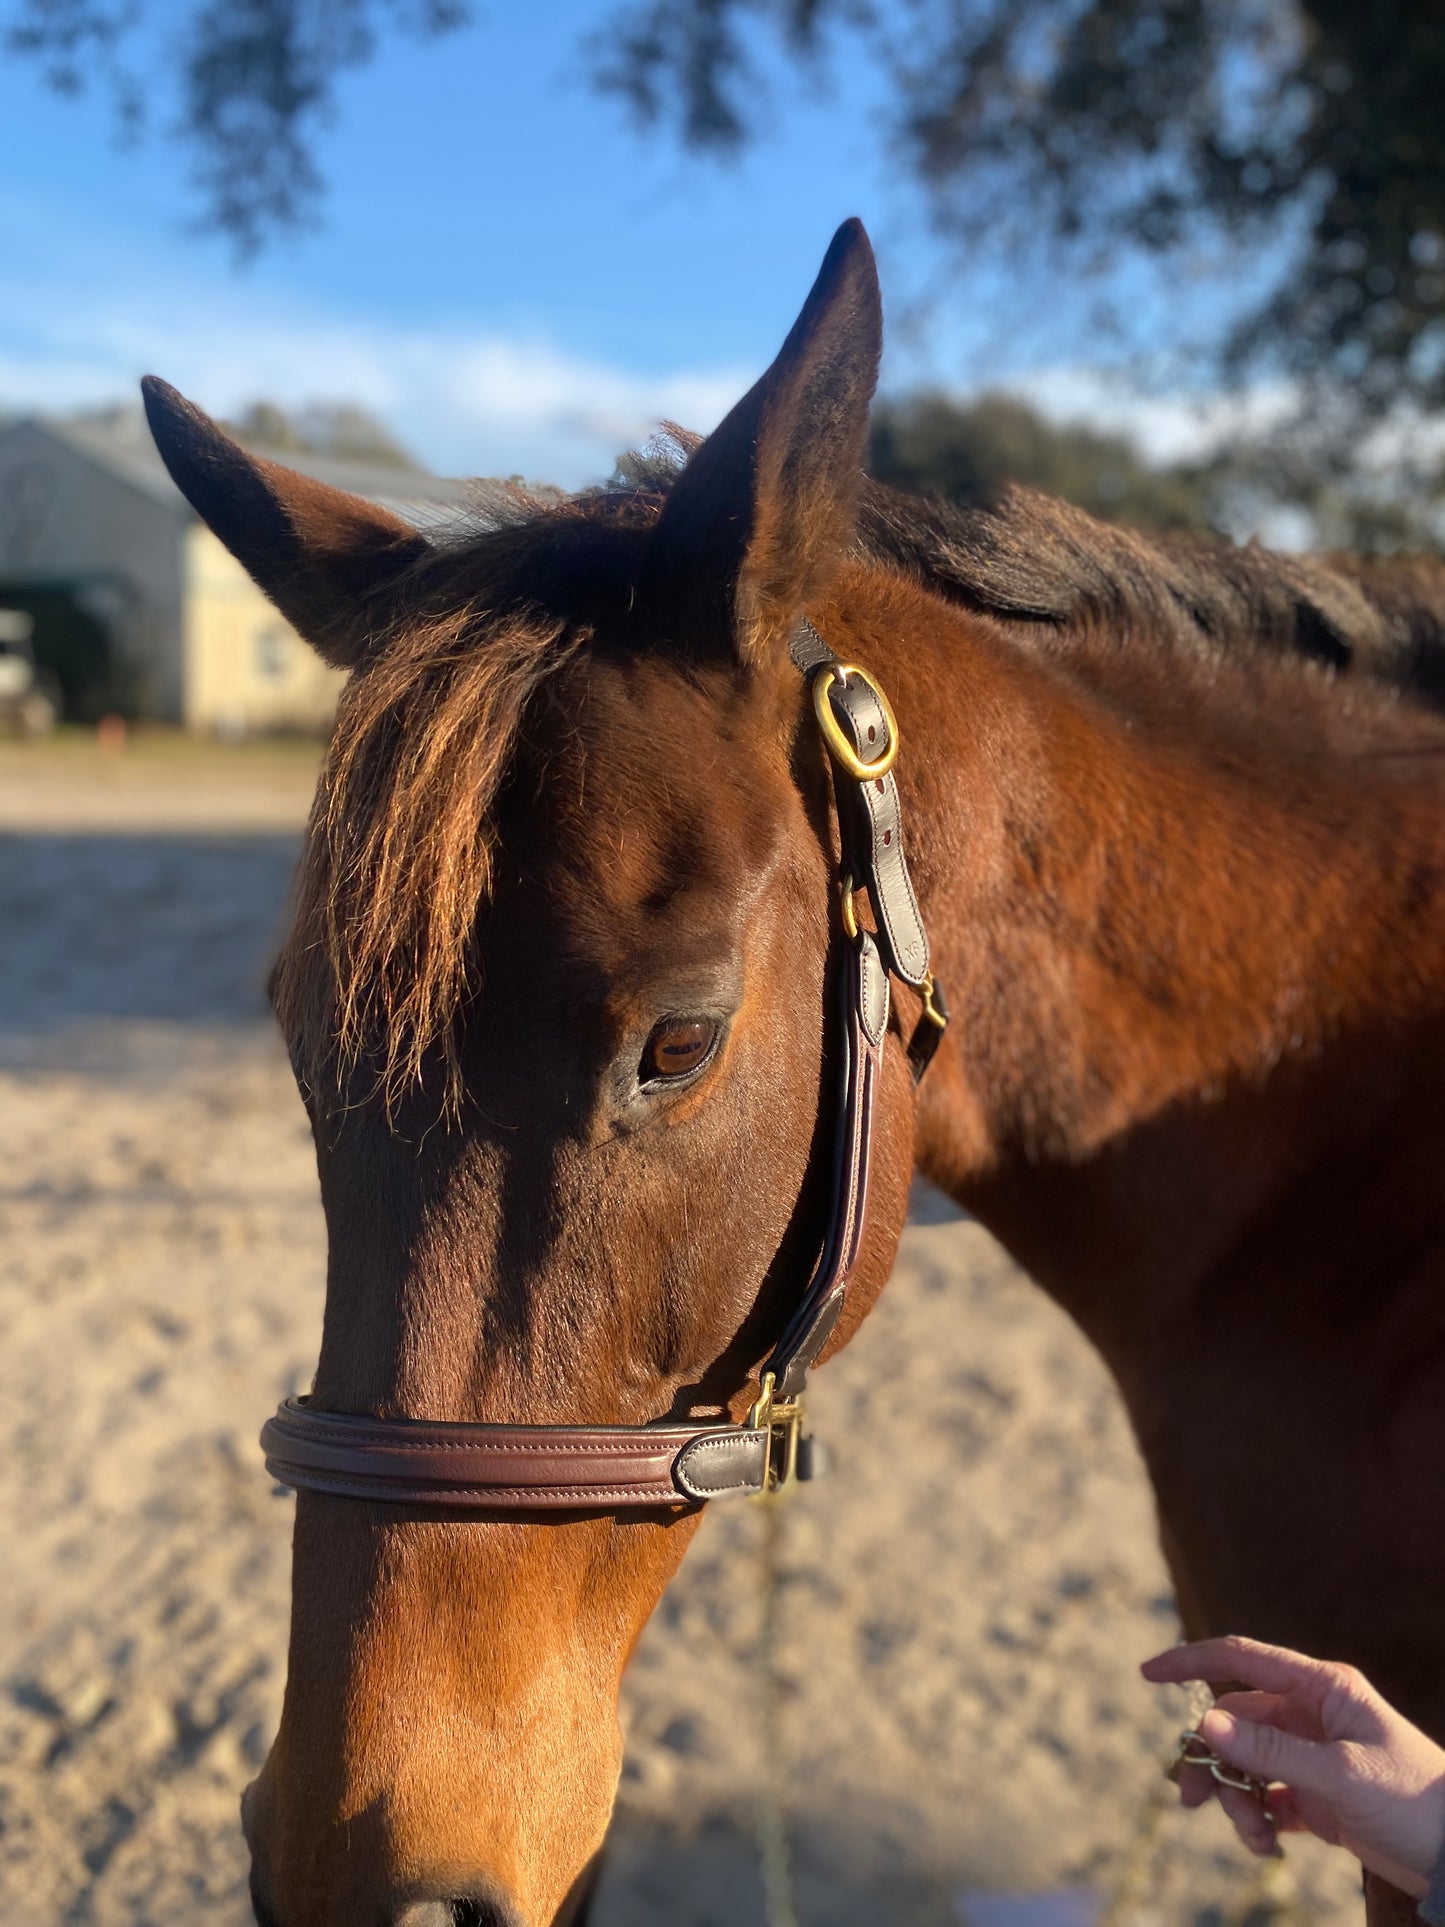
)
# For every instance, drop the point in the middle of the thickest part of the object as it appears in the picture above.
(1265, 1709)
(1284, 1805)
(1273, 1709)
(1196, 1786)
(1274, 1668)
(1247, 1816)
(1270, 1753)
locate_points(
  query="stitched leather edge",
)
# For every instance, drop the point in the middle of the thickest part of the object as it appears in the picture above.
(504, 1498)
(873, 998)
(734, 1446)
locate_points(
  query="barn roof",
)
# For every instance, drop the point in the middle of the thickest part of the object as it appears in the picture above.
(119, 444)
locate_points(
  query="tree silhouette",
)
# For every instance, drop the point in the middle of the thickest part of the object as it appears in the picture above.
(1303, 139)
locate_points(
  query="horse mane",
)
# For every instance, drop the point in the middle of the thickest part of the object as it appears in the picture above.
(401, 842)
(1023, 556)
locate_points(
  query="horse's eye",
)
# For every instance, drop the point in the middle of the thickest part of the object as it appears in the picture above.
(677, 1047)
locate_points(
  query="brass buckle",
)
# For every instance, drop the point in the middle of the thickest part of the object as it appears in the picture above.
(841, 750)
(930, 1009)
(783, 1421)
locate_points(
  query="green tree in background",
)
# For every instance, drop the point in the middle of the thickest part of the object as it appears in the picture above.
(1287, 482)
(342, 430)
(963, 451)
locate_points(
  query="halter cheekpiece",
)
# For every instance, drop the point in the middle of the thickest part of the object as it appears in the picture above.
(598, 1468)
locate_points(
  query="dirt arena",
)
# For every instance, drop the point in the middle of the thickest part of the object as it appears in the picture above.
(960, 1722)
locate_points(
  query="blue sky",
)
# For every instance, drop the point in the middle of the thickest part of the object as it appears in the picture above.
(502, 268)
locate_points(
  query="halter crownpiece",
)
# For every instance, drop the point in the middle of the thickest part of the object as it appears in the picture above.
(598, 1468)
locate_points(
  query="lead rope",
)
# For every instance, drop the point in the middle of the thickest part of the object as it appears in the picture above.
(774, 1819)
(1272, 1896)
(1132, 1889)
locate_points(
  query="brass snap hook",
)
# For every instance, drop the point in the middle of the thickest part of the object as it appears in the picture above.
(928, 991)
(781, 1419)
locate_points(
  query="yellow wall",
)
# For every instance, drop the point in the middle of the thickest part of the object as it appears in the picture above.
(245, 667)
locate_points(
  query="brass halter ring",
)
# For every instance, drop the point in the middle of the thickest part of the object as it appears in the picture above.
(927, 990)
(846, 910)
(841, 750)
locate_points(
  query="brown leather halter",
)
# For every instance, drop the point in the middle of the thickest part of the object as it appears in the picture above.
(601, 1467)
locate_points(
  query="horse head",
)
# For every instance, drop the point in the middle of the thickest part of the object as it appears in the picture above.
(555, 995)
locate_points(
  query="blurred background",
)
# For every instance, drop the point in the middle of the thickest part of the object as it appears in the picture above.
(1180, 261)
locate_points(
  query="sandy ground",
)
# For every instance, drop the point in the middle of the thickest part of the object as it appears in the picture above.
(959, 1716)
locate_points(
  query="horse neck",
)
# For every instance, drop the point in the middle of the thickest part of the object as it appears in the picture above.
(1189, 958)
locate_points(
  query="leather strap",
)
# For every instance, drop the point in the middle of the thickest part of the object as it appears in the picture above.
(510, 1467)
(870, 828)
(551, 1467)
(864, 988)
(870, 818)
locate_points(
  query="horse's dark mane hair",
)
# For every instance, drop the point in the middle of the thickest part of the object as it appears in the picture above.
(1023, 556)
(400, 850)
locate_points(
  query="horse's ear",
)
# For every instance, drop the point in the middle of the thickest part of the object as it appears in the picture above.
(761, 516)
(317, 552)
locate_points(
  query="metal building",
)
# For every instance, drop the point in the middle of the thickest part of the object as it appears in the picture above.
(136, 605)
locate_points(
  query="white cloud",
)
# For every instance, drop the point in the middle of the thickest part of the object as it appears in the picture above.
(482, 403)
(1164, 430)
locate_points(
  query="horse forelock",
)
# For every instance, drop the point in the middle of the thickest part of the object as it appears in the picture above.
(402, 839)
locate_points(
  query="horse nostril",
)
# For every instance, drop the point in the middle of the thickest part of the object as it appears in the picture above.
(471, 1912)
(454, 1913)
(479, 1913)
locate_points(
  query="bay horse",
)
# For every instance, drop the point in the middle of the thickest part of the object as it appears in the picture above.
(555, 995)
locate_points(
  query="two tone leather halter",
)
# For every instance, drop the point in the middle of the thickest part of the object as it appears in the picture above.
(601, 1467)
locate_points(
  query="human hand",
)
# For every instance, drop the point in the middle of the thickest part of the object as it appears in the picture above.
(1340, 1761)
